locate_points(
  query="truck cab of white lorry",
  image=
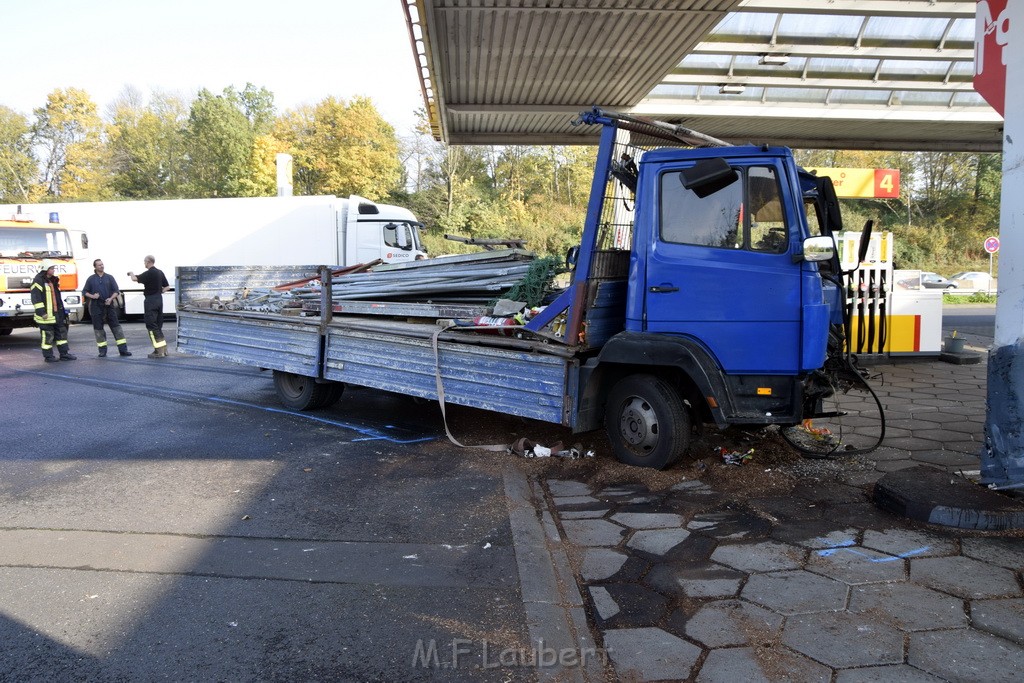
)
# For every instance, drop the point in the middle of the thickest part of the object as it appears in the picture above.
(383, 231)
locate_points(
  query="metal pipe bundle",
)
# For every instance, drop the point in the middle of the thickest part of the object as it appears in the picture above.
(473, 278)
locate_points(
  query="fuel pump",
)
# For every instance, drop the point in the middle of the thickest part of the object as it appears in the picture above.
(868, 289)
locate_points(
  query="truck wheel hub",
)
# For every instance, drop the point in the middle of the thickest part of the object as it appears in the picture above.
(639, 424)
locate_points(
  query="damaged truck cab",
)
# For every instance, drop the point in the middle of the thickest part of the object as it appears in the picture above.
(727, 314)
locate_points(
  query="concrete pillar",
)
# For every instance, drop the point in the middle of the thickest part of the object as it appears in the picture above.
(1002, 458)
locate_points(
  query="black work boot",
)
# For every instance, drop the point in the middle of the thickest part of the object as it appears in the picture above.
(68, 356)
(103, 352)
(49, 359)
(122, 350)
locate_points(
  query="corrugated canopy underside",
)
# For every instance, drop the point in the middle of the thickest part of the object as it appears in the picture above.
(864, 74)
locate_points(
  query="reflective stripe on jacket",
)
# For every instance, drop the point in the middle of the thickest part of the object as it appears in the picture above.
(43, 296)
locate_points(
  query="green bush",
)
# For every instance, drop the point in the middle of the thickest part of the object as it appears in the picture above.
(975, 298)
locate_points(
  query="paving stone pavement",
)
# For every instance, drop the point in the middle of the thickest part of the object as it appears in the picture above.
(810, 582)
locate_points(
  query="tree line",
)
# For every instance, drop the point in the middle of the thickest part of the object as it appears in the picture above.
(225, 145)
(215, 145)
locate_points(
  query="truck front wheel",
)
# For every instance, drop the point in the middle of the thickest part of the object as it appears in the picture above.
(304, 393)
(647, 422)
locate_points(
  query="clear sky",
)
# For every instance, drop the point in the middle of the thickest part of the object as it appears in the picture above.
(300, 50)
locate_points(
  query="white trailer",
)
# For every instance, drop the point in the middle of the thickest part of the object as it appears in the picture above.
(254, 231)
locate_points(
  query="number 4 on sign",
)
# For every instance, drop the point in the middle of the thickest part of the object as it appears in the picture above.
(887, 183)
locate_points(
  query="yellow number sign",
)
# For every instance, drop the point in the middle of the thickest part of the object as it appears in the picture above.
(881, 183)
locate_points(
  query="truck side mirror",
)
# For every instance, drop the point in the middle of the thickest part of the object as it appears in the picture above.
(572, 255)
(406, 241)
(402, 236)
(821, 248)
(865, 241)
(708, 176)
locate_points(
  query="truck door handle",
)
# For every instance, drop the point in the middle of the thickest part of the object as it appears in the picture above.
(661, 289)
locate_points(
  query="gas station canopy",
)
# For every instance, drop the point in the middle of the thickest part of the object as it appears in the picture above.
(838, 74)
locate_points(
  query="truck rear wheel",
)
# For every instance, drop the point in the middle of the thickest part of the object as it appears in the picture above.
(647, 422)
(304, 393)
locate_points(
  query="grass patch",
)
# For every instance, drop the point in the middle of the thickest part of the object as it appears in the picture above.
(975, 298)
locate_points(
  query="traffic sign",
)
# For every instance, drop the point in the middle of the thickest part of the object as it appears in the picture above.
(992, 245)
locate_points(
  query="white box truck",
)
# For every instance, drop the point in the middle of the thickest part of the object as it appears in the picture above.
(252, 231)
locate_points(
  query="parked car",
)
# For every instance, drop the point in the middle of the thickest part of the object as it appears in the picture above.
(936, 281)
(973, 280)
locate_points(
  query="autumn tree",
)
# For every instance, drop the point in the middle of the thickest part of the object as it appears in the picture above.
(260, 179)
(257, 104)
(414, 153)
(988, 177)
(341, 148)
(576, 172)
(69, 132)
(147, 145)
(946, 173)
(218, 144)
(18, 167)
(456, 197)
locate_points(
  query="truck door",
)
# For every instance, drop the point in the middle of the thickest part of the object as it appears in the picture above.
(719, 267)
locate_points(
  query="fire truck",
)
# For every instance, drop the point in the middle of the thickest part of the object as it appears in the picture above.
(24, 243)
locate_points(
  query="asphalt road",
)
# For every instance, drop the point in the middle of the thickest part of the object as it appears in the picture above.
(167, 520)
(970, 319)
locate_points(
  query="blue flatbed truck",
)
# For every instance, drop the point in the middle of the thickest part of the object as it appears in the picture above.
(705, 289)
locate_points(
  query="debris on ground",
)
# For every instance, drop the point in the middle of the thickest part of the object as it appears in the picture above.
(811, 441)
(822, 433)
(735, 457)
(528, 449)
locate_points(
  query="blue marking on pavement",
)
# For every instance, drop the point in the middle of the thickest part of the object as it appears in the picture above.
(903, 556)
(834, 547)
(845, 546)
(368, 434)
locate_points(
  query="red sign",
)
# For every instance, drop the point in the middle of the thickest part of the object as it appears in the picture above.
(887, 183)
(991, 33)
(992, 245)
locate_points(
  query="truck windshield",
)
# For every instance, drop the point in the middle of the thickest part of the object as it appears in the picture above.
(34, 242)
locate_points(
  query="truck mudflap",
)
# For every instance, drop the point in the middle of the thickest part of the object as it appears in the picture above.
(267, 343)
(502, 380)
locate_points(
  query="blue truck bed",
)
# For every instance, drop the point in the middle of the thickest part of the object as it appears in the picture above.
(526, 377)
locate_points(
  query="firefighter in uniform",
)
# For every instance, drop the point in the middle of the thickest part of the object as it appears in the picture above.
(50, 316)
(154, 284)
(101, 289)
